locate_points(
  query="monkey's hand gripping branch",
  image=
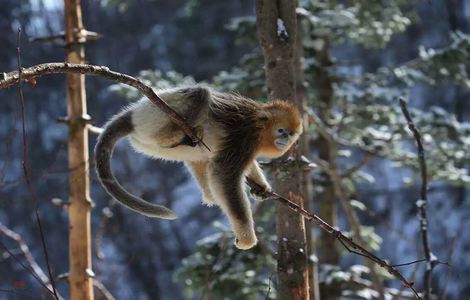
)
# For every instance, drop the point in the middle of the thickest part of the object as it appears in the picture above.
(31, 73)
(347, 242)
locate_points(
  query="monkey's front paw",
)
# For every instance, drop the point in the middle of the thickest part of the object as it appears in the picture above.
(260, 194)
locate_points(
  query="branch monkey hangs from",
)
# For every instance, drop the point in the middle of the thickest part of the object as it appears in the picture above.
(236, 129)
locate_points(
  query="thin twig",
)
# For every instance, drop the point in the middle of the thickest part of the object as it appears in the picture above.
(94, 129)
(347, 242)
(26, 165)
(103, 290)
(409, 263)
(269, 286)
(22, 295)
(106, 215)
(422, 202)
(449, 270)
(33, 267)
(102, 71)
(437, 262)
(349, 172)
(29, 269)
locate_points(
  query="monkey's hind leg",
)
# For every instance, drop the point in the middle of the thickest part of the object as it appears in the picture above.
(199, 171)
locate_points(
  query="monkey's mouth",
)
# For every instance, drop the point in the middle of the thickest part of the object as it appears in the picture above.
(281, 144)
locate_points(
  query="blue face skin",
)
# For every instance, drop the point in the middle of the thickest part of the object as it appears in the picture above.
(283, 136)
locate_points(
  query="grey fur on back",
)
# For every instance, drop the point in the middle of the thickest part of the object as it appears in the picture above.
(119, 127)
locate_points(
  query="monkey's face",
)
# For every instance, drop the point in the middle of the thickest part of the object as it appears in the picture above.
(284, 138)
(278, 141)
(283, 128)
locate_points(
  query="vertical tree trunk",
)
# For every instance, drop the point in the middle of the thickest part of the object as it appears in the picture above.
(81, 285)
(326, 151)
(276, 29)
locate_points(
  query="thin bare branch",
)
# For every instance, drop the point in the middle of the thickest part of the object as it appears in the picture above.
(103, 290)
(349, 172)
(33, 267)
(13, 292)
(449, 270)
(347, 242)
(33, 72)
(27, 168)
(94, 129)
(422, 202)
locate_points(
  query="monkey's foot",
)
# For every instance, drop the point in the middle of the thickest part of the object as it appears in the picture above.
(245, 239)
(208, 201)
(207, 198)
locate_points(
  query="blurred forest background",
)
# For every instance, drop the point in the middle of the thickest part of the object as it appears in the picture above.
(359, 57)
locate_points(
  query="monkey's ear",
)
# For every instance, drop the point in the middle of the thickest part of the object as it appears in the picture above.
(263, 117)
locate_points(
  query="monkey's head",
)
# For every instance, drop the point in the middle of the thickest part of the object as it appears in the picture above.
(282, 129)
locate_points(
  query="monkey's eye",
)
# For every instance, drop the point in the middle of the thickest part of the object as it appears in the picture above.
(280, 130)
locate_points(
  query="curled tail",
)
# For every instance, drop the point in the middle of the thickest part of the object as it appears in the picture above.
(119, 127)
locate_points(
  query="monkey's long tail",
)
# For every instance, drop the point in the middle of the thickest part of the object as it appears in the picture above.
(119, 127)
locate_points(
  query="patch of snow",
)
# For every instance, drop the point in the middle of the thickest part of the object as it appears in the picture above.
(281, 29)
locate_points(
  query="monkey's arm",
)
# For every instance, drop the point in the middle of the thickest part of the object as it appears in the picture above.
(227, 185)
(199, 171)
(255, 173)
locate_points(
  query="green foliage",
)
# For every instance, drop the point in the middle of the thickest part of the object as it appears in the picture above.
(248, 77)
(368, 23)
(438, 66)
(244, 27)
(381, 129)
(219, 269)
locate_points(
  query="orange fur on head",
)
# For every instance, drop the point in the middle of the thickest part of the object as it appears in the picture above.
(286, 113)
(281, 114)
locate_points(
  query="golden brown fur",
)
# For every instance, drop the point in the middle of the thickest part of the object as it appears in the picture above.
(236, 129)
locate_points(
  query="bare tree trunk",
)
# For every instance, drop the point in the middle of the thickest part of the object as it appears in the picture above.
(80, 280)
(332, 186)
(276, 26)
(326, 151)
